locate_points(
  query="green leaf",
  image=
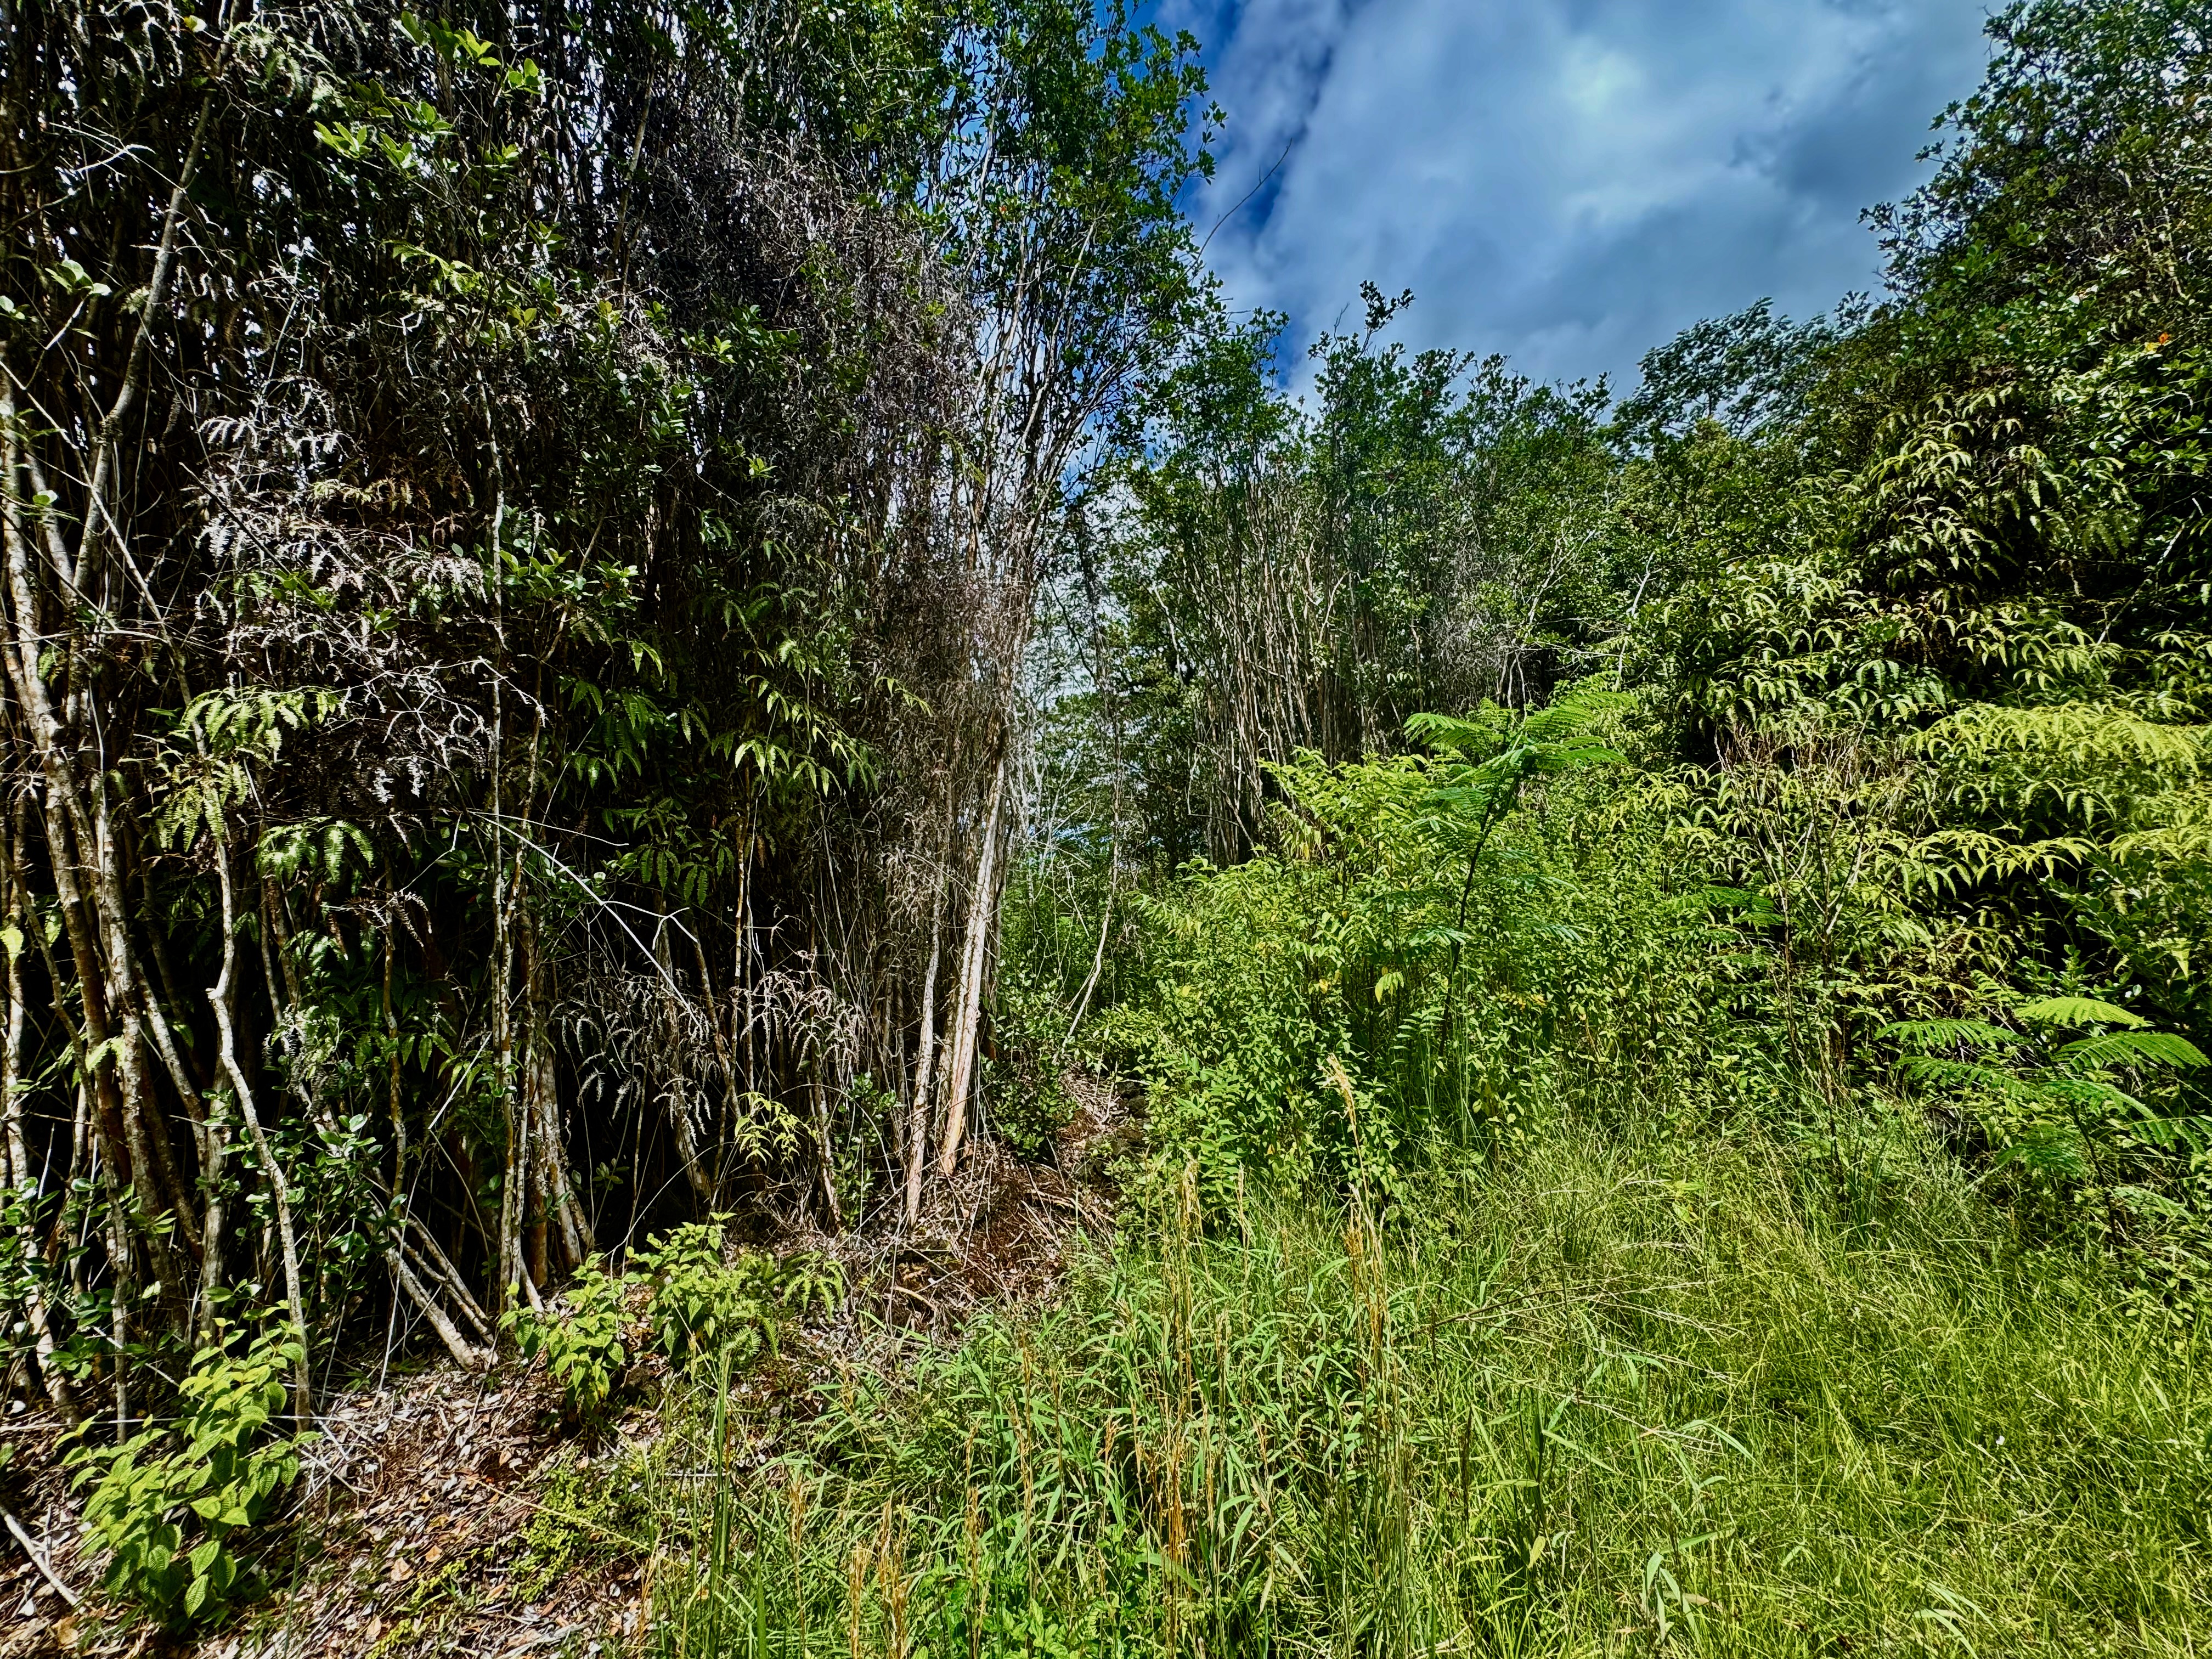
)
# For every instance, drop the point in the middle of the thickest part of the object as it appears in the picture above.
(2050, 1150)
(1924, 1035)
(2134, 1048)
(2078, 1011)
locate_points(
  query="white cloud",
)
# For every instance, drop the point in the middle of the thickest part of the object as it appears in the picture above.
(1569, 181)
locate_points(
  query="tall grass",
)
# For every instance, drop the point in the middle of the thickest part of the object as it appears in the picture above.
(1606, 1400)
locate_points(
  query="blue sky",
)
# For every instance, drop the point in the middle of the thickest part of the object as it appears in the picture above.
(1567, 181)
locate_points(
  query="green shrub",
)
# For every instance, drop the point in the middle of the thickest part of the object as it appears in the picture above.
(583, 1343)
(1448, 948)
(1027, 1099)
(703, 1305)
(2096, 1119)
(699, 1305)
(171, 1504)
(808, 1282)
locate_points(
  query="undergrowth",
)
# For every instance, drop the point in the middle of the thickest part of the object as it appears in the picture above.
(1609, 1398)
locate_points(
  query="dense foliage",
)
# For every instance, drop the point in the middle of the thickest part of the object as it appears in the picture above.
(1892, 627)
(521, 528)
(623, 619)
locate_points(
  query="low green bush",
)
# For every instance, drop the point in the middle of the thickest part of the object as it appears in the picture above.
(174, 1505)
(585, 1343)
(1026, 1097)
(701, 1303)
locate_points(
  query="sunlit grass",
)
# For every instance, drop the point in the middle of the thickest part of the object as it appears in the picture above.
(1599, 1400)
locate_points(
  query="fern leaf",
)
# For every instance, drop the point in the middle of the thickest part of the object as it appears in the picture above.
(2050, 1150)
(2134, 1048)
(2079, 1011)
(1926, 1034)
(1965, 1074)
(2087, 1093)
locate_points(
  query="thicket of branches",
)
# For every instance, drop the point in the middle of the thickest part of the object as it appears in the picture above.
(521, 527)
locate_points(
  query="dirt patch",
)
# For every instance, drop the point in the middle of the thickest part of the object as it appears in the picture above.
(999, 1232)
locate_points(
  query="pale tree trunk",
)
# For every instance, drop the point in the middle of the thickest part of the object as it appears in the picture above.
(822, 1134)
(19, 1173)
(508, 1249)
(111, 991)
(465, 1354)
(404, 1279)
(917, 1145)
(421, 1274)
(551, 1209)
(968, 1016)
(113, 1142)
(133, 998)
(220, 995)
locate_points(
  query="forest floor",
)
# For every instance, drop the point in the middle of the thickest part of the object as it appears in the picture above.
(445, 1512)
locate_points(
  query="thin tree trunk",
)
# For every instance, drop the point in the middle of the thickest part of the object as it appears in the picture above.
(465, 1354)
(114, 1138)
(219, 996)
(917, 1147)
(508, 1250)
(1097, 963)
(968, 1020)
(437, 1268)
(18, 1153)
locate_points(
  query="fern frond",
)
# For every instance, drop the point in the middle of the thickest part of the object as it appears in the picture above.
(2163, 1048)
(2088, 734)
(2091, 1094)
(1926, 1036)
(2047, 1149)
(2079, 1011)
(1966, 1074)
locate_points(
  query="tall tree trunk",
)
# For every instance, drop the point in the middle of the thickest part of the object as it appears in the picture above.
(926, 1069)
(982, 919)
(19, 1173)
(220, 995)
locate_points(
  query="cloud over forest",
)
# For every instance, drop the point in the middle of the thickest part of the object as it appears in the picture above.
(1568, 181)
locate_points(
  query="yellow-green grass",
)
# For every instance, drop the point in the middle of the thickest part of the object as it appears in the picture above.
(1599, 1399)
